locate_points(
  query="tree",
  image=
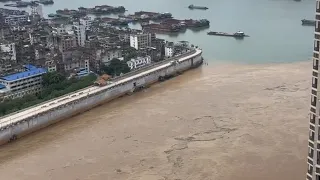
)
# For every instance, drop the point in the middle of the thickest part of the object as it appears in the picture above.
(52, 78)
(130, 53)
(116, 67)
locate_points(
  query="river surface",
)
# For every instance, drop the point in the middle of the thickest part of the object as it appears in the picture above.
(274, 26)
(225, 122)
(238, 118)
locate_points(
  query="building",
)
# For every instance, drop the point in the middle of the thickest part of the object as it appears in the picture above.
(169, 49)
(87, 22)
(10, 49)
(313, 160)
(80, 32)
(66, 41)
(139, 62)
(141, 40)
(37, 10)
(74, 61)
(15, 19)
(22, 83)
(110, 54)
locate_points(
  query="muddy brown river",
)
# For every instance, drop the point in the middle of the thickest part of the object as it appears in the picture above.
(218, 122)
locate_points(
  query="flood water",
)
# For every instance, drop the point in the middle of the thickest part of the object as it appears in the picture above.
(238, 118)
(225, 122)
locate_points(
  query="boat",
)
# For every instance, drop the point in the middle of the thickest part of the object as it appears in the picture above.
(197, 7)
(46, 2)
(306, 22)
(238, 34)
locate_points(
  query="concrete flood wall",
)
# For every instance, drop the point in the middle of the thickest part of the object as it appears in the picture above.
(64, 111)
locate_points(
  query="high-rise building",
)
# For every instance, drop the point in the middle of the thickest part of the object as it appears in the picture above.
(141, 40)
(80, 32)
(313, 172)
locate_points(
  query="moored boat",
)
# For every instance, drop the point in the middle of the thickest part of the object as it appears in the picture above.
(197, 7)
(306, 22)
(238, 34)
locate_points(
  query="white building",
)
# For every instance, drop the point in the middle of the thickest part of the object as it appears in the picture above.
(139, 62)
(87, 22)
(169, 49)
(80, 32)
(110, 54)
(14, 19)
(9, 48)
(23, 83)
(141, 40)
(37, 10)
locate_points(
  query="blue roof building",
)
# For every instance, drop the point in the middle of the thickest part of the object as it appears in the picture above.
(22, 83)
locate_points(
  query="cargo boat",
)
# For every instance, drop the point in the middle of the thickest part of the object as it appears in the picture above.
(197, 7)
(306, 22)
(161, 28)
(46, 2)
(238, 34)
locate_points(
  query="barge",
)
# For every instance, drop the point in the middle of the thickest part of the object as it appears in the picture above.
(29, 120)
(46, 2)
(197, 7)
(161, 28)
(238, 34)
(306, 22)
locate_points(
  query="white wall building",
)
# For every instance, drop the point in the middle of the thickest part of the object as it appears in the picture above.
(37, 10)
(9, 48)
(80, 32)
(87, 22)
(110, 54)
(169, 49)
(14, 19)
(23, 83)
(141, 40)
(139, 62)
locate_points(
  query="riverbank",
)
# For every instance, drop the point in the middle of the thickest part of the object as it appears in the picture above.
(218, 122)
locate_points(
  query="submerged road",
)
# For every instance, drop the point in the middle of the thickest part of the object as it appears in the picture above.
(51, 104)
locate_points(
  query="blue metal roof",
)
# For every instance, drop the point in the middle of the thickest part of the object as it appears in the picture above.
(32, 71)
(29, 67)
(2, 86)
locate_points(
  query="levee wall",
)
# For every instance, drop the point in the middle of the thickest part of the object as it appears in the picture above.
(41, 118)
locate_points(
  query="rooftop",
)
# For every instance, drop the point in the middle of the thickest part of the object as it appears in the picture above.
(30, 71)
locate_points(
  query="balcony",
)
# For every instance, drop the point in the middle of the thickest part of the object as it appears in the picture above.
(310, 170)
(315, 83)
(318, 7)
(311, 136)
(315, 74)
(310, 154)
(314, 101)
(316, 45)
(315, 63)
(312, 118)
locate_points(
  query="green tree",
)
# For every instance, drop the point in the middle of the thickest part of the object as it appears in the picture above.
(52, 78)
(116, 67)
(130, 53)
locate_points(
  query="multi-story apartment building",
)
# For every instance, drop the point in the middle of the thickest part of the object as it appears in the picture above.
(10, 49)
(313, 160)
(87, 22)
(111, 53)
(22, 83)
(15, 19)
(80, 32)
(141, 40)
